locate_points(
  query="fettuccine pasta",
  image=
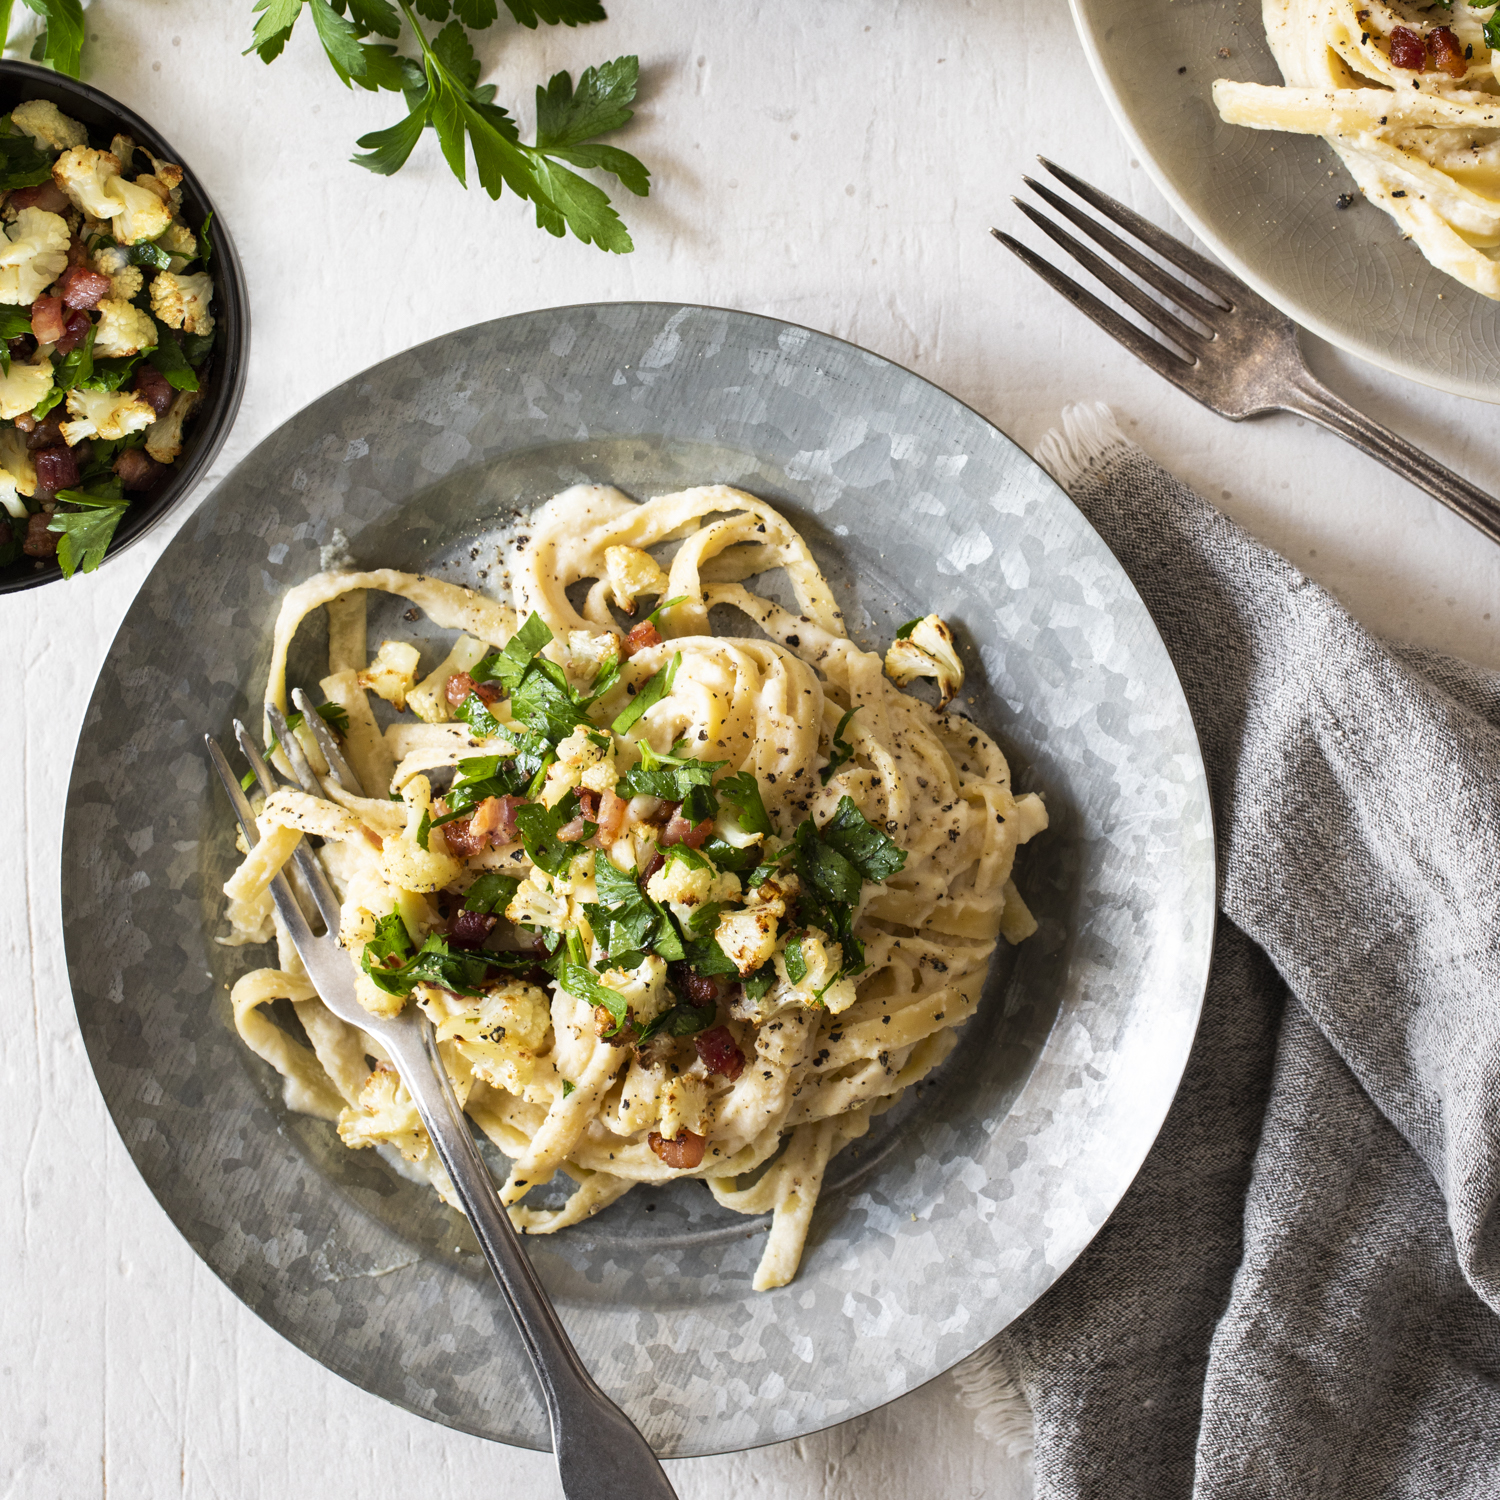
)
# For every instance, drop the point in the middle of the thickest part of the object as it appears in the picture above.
(1408, 96)
(678, 904)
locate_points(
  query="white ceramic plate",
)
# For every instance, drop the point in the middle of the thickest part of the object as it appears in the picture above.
(1265, 201)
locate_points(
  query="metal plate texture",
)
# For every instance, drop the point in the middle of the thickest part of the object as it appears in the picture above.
(972, 1196)
(1265, 201)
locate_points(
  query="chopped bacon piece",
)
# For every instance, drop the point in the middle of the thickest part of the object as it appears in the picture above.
(701, 989)
(469, 929)
(719, 1052)
(642, 635)
(657, 860)
(495, 818)
(1448, 52)
(137, 470)
(570, 833)
(610, 817)
(491, 825)
(48, 432)
(39, 541)
(684, 1153)
(56, 469)
(46, 196)
(78, 252)
(82, 287)
(74, 329)
(680, 831)
(462, 844)
(47, 325)
(153, 388)
(460, 685)
(1408, 49)
(588, 803)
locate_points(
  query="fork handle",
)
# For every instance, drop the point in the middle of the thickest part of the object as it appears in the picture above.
(1309, 397)
(600, 1453)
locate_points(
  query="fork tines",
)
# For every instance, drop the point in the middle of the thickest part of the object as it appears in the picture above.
(1205, 312)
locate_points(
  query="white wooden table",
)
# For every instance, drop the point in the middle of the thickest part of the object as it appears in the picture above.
(836, 165)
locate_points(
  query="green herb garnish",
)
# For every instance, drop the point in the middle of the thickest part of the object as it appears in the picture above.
(441, 89)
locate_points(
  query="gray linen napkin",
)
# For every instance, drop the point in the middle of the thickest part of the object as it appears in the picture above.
(1298, 1296)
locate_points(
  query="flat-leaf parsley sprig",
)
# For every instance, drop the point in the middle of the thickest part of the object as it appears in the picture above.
(441, 89)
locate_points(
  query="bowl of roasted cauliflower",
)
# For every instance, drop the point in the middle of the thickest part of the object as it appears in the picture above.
(123, 327)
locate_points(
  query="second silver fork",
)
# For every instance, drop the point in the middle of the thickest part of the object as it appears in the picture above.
(1238, 355)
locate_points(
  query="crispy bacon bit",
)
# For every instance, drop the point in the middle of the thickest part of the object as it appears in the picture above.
(680, 831)
(1447, 52)
(153, 388)
(570, 833)
(657, 860)
(137, 470)
(78, 252)
(588, 803)
(56, 469)
(491, 825)
(495, 817)
(701, 989)
(47, 325)
(684, 1153)
(48, 432)
(82, 287)
(39, 541)
(642, 635)
(610, 816)
(1408, 50)
(460, 685)
(46, 196)
(469, 929)
(719, 1052)
(73, 331)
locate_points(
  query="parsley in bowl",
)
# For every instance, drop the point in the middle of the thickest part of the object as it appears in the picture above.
(107, 326)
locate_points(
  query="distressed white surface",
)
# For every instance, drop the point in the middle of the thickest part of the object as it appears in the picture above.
(836, 165)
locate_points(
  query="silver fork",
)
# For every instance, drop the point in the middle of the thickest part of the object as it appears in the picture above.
(600, 1453)
(1243, 360)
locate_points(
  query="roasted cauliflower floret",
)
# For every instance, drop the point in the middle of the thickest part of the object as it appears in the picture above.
(688, 883)
(816, 964)
(88, 178)
(125, 280)
(404, 862)
(33, 255)
(580, 762)
(927, 652)
(17, 472)
(164, 435)
(47, 125)
(631, 572)
(23, 386)
(536, 904)
(747, 937)
(393, 673)
(385, 1114)
(105, 414)
(123, 329)
(178, 239)
(142, 215)
(644, 988)
(182, 301)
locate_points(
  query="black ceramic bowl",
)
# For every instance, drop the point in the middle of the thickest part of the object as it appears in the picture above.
(225, 383)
